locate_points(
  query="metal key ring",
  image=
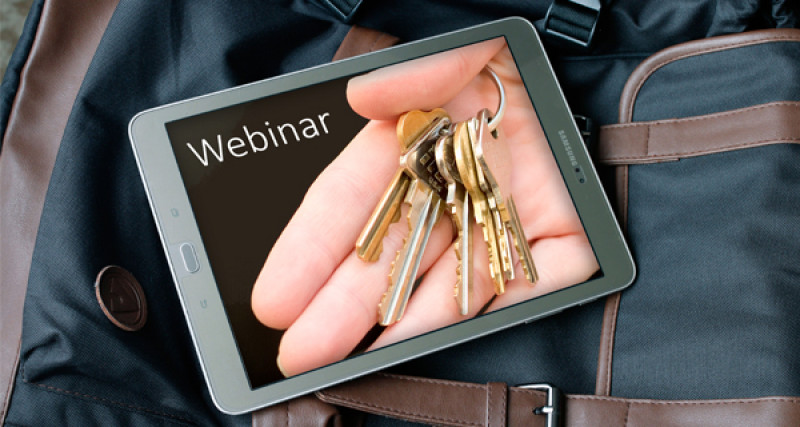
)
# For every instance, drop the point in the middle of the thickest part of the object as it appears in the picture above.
(501, 107)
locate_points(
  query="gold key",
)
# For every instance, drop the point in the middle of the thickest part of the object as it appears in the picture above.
(459, 206)
(501, 229)
(409, 128)
(469, 177)
(425, 194)
(494, 166)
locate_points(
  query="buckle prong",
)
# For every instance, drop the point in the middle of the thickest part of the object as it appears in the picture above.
(552, 407)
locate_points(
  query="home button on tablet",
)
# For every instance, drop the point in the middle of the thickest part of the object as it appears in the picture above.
(189, 257)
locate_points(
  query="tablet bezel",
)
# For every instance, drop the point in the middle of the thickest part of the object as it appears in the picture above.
(202, 306)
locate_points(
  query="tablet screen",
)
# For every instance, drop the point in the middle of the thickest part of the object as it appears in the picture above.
(248, 167)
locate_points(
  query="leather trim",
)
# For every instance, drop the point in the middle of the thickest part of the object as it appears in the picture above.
(68, 35)
(455, 403)
(693, 48)
(496, 404)
(665, 140)
(432, 401)
(605, 356)
(301, 412)
(622, 195)
(360, 40)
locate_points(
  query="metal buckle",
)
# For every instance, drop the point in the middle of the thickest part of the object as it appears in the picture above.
(552, 407)
(573, 20)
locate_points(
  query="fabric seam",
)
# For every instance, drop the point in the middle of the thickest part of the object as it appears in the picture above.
(103, 400)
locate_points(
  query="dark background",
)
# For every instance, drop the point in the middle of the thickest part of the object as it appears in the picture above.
(242, 204)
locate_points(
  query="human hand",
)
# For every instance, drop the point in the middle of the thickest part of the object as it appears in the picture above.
(313, 284)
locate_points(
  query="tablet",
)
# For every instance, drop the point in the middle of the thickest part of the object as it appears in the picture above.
(226, 172)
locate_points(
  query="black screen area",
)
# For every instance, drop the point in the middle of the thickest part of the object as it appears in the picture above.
(246, 169)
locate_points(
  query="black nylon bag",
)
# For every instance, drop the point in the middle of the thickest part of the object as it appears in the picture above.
(709, 317)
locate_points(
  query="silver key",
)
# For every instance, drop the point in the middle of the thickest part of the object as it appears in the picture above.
(425, 195)
(459, 206)
(410, 127)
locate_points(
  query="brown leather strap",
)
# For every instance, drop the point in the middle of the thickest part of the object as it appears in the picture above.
(437, 402)
(496, 404)
(68, 35)
(693, 48)
(454, 403)
(301, 412)
(361, 40)
(605, 356)
(664, 140)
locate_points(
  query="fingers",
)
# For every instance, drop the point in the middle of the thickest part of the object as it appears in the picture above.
(433, 304)
(560, 261)
(345, 309)
(323, 230)
(424, 83)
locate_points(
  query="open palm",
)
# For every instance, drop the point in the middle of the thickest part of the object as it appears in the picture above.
(313, 284)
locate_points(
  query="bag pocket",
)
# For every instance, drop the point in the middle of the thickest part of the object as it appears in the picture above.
(707, 160)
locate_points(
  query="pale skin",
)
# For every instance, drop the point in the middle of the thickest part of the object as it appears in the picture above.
(313, 284)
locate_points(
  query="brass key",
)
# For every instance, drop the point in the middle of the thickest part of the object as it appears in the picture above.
(494, 166)
(459, 206)
(410, 127)
(501, 229)
(425, 194)
(465, 161)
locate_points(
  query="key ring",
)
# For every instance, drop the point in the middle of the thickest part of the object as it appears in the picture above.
(501, 107)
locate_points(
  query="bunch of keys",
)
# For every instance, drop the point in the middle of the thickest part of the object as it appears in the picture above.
(465, 169)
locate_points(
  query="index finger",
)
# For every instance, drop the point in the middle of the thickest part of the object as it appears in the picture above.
(324, 229)
(425, 83)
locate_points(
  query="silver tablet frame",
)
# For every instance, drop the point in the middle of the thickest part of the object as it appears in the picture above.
(202, 306)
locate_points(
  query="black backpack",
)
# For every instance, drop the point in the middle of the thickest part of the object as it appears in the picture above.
(692, 111)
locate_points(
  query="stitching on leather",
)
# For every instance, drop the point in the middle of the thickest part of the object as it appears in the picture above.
(714, 116)
(627, 414)
(394, 411)
(680, 154)
(432, 381)
(609, 340)
(489, 405)
(504, 408)
(491, 408)
(669, 60)
(103, 400)
(626, 197)
(790, 400)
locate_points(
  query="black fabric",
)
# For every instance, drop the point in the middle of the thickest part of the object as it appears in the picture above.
(76, 368)
(713, 313)
(343, 9)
